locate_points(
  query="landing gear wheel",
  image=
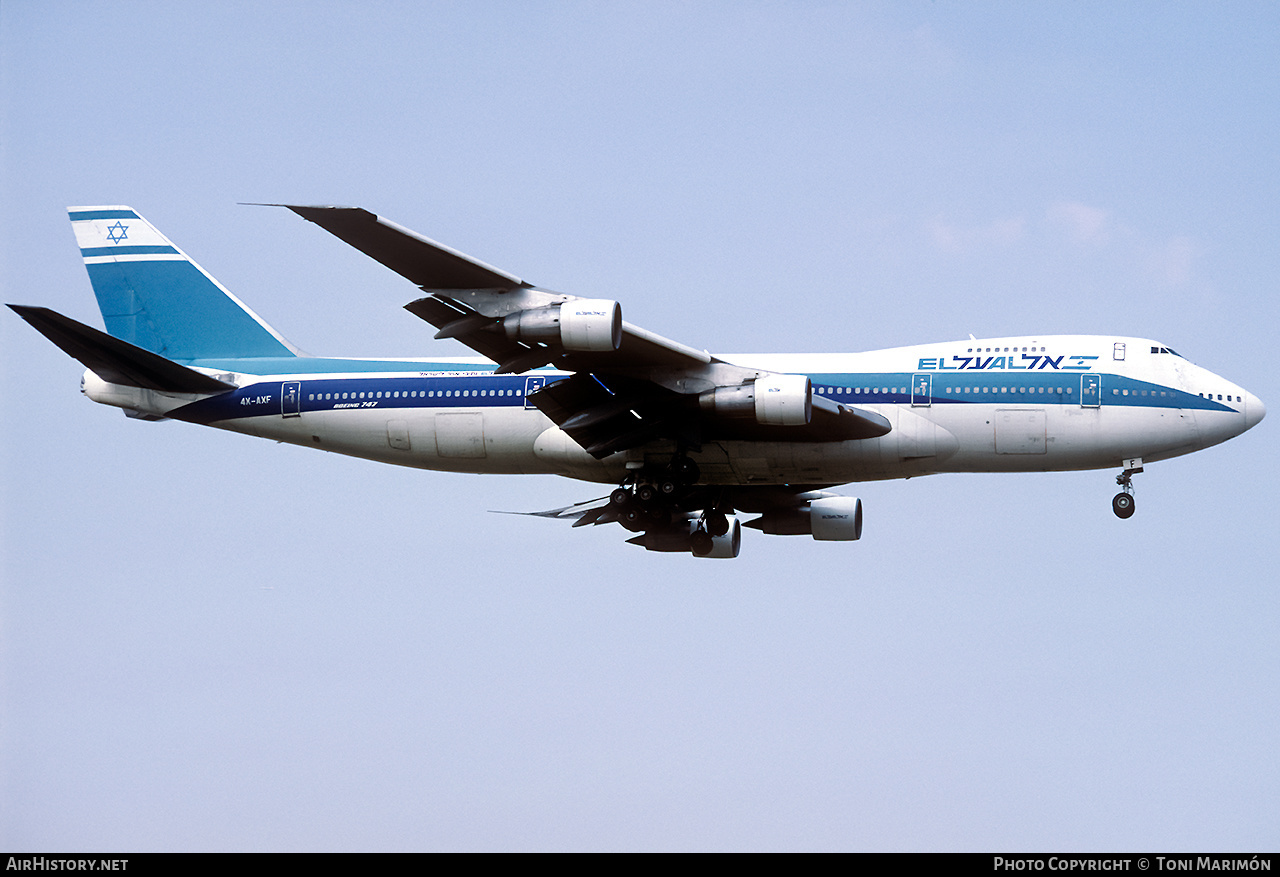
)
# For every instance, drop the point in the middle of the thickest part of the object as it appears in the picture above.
(1122, 502)
(668, 487)
(620, 498)
(1122, 505)
(646, 492)
(701, 543)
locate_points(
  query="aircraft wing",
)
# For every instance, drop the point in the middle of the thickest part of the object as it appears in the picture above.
(630, 386)
(458, 283)
(429, 264)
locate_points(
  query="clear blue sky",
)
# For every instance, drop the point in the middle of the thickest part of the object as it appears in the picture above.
(214, 642)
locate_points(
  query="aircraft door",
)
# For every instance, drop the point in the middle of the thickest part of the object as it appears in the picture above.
(530, 385)
(291, 399)
(1090, 391)
(921, 391)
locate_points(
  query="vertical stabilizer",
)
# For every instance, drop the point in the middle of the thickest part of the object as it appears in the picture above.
(152, 295)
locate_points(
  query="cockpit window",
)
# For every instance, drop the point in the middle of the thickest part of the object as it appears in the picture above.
(1166, 350)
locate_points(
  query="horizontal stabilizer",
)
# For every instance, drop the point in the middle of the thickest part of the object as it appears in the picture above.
(117, 361)
(429, 264)
(581, 513)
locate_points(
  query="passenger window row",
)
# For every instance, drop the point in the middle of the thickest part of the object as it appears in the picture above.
(1032, 390)
(1005, 350)
(410, 394)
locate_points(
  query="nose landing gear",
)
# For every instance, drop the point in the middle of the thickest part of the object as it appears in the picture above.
(1122, 503)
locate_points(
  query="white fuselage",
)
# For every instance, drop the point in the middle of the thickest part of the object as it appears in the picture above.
(999, 405)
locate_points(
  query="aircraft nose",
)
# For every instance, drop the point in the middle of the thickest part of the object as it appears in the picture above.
(1254, 411)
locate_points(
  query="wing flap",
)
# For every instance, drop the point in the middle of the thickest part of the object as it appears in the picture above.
(607, 413)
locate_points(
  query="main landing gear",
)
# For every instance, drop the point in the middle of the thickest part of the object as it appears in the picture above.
(649, 497)
(1122, 503)
(658, 502)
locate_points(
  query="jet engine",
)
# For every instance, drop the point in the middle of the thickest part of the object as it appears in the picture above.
(587, 324)
(831, 519)
(726, 544)
(685, 535)
(773, 400)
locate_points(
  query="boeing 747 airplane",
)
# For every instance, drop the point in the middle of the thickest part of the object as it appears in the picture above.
(693, 442)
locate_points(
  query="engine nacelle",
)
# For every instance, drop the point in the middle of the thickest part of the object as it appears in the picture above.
(774, 400)
(832, 519)
(591, 324)
(784, 400)
(724, 546)
(684, 536)
(586, 324)
(836, 519)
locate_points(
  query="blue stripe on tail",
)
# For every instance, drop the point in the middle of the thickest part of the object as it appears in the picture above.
(152, 295)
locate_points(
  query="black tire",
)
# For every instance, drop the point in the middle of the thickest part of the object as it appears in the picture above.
(700, 543)
(668, 487)
(1122, 505)
(646, 492)
(717, 523)
(620, 498)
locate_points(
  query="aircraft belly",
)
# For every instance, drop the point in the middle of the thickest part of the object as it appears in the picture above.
(916, 445)
(496, 441)
(997, 438)
(459, 435)
(1215, 427)
(558, 454)
(776, 462)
